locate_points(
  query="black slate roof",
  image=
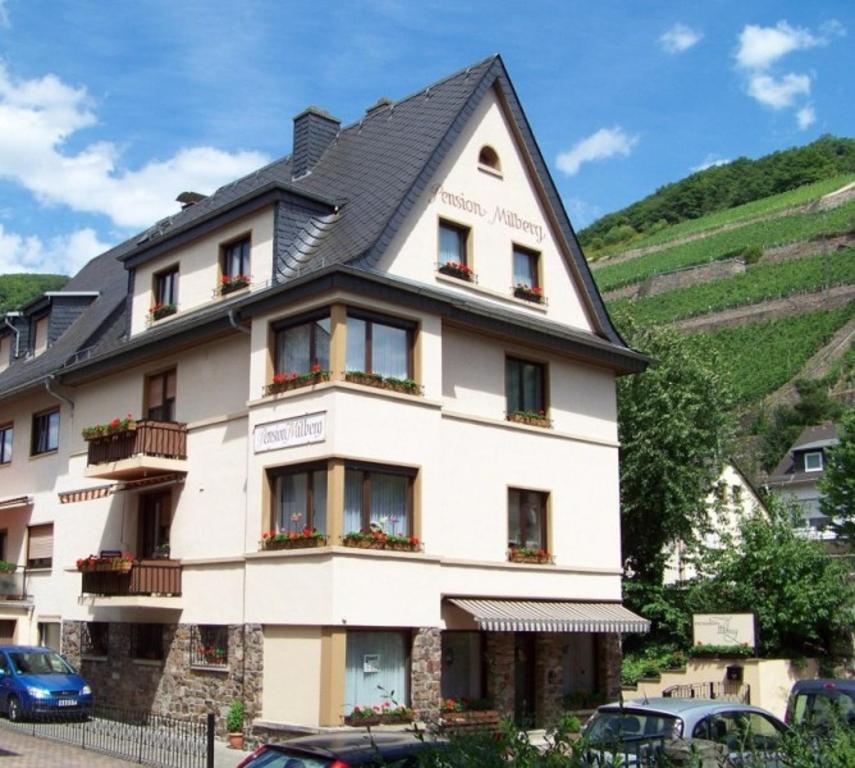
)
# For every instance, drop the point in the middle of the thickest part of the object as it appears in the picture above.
(362, 188)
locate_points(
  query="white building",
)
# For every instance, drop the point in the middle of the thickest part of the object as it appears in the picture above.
(390, 338)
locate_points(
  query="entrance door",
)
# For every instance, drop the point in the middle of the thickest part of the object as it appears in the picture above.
(155, 519)
(524, 677)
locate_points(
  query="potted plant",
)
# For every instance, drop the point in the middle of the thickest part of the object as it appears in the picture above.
(230, 283)
(115, 427)
(308, 537)
(120, 563)
(405, 386)
(379, 540)
(458, 270)
(288, 380)
(532, 418)
(379, 715)
(234, 724)
(468, 713)
(158, 311)
(532, 293)
(529, 555)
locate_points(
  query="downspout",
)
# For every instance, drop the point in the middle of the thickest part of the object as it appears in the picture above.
(15, 330)
(236, 325)
(58, 396)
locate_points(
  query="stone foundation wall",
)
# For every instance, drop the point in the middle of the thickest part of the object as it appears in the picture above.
(500, 671)
(609, 659)
(425, 673)
(549, 680)
(171, 686)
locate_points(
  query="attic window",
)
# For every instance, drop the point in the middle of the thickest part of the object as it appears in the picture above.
(813, 461)
(39, 331)
(489, 159)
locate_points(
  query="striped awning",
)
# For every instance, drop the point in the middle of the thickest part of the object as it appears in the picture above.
(100, 491)
(16, 501)
(550, 616)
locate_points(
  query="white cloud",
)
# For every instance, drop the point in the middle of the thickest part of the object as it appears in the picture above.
(38, 117)
(679, 38)
(760, 47)
(61, 255)
(806, 116)
(605, 143)
(710, 161)
(778, 92)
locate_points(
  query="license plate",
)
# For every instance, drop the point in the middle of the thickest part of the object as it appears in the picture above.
(67, 703)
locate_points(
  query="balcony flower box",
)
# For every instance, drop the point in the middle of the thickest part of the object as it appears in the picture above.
(455, 269)
(462, 714)
(306, 538)
(405, 386)
(532, 418)
(115, 427)
(526, 555)
(159, 311)
(380, 540)
(530, 293)
(232, 283)
(284, 382)
(379, 715)
(123, 563)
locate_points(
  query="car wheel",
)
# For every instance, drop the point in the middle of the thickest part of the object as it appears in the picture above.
(13, 709)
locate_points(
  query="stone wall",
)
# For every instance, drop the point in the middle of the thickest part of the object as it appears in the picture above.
(549, 680)
(425, 672)
(500, 671)
(171, 686)
(609, 659)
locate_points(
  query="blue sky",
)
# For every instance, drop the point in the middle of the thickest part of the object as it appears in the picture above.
(109, 109)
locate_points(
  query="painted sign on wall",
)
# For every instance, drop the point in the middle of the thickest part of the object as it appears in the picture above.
(288, 433)
(724, 629)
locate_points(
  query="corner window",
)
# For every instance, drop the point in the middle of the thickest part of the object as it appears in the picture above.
(165, 291)
(45, 434)
(209, 646)
(526, 519)
(453, 240)
(379, 346)
(147, 642)
(378, 499)
(489, 158)
(813, 461)
(525, 387)
(160, 396)
(235, 265)
(6, 434)
(303, 346)
(40, 546)
(376, 668)
(95, 639)
(301, 501)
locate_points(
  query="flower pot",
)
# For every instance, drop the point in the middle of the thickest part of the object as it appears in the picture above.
(303, 542)
(235, 740)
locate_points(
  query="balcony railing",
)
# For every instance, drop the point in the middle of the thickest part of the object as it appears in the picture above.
(728, 691)
(161, 439)
(13, 585)
(146, 578)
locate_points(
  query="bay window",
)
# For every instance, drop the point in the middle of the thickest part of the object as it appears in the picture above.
(378, 499)
(303, 345)
(300, 500)
(379, 346)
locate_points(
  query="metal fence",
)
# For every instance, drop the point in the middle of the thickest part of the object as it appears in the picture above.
(730, 691)
(136, 736)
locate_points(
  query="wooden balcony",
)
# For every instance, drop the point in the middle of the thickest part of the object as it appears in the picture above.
(151, 448)
(147, 578)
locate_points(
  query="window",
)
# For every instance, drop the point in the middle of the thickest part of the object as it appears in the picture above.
(489, 158)
(378, 499)
(452, 244)
(379, 346)
(6, 433)
(3, 536)
(302, 345)
(209, 646)
(160, 396)
(165, 293)
(813, 461)
(49, 637)
(462, 665)
(155, 520)
(95, 639)
(5, 352)
(736, 494)
(375, 669)
(526, 268)
(236, 259)
(40, 546)
(45, 434)
(739, 731)
(525, 386)
(147, 642)
(301, 500)
(39, 334)
(526, 519)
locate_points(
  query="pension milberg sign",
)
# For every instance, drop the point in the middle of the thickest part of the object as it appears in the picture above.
(288, 433)
(498, 214)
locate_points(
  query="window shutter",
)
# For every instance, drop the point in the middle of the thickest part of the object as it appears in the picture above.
(41, 542)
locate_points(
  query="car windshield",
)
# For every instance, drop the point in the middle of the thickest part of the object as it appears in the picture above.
(626, 724)
(273, 758)
(823, 707)
(40, 663)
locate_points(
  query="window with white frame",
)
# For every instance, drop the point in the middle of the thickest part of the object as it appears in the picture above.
(813, 461)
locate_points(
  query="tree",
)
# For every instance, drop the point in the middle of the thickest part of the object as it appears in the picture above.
(674, 429)
(838, 482)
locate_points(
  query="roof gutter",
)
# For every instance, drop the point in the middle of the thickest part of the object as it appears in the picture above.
(61, 398)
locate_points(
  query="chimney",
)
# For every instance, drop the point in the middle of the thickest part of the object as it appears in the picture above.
(314, 130)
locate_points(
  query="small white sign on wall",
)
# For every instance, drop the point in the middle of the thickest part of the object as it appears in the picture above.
(288, 433)
(371, 663)
(724, 629)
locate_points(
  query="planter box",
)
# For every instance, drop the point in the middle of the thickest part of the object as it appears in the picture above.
(455, 271)
(532, 421)
(393, 385)
(519, 557)
(124, 567)
(162, 312)
(304, 380)
(528, 295)
(232, 286)
(487, 718)
(380, 544)
(358, 722)
(303, 542)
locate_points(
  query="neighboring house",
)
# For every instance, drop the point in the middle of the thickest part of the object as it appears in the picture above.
(373, 448)
(797, 476)
(732, 499)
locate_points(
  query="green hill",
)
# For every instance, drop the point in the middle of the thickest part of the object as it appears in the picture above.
(724, 187)
(18, 289)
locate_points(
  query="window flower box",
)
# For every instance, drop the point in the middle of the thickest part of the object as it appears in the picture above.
(284, 382)
(458, 270)
(306, 538)
(532, 418)
(405, 386)
(526, 555)
(232, 283)
(380, 540)
(462, 714)
(123, 563)
(529, 293)
(379, 715)
(159, 311)
(115, 427)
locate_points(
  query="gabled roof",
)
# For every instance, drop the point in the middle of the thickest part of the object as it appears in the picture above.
(812, 438)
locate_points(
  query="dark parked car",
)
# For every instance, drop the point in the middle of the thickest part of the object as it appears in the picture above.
(340, 750)
(816, 703)
(38, 682)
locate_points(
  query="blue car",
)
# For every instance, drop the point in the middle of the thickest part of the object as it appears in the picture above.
(38, 682)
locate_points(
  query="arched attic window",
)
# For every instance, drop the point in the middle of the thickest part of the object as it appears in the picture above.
(489, 158)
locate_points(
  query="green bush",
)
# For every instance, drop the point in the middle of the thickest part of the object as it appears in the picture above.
(752, 254)
(619, 234)
(235, 717)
